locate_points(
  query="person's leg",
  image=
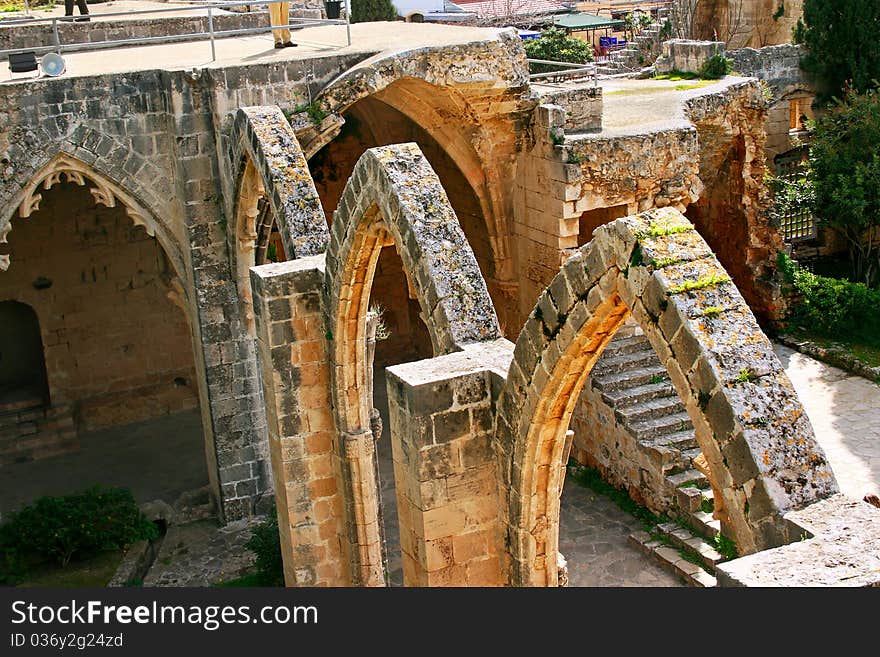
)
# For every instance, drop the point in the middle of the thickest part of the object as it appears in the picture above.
(284, 11)
(83, 7)
(275, 19)
(68, 7)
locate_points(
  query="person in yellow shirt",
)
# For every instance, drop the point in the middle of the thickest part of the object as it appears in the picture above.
(279, 14)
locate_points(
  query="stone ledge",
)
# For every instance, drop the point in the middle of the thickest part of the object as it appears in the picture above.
(841, 548)
(831, 356)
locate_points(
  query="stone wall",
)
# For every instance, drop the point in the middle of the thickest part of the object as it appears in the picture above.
(684, 55)
(158, 141)
(582, 102)
(116, 345)
(745, 23)
(732, 212)
(74, 33)
(791, 94)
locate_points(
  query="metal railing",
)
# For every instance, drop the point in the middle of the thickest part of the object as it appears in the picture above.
(210, 33)
(573, 71)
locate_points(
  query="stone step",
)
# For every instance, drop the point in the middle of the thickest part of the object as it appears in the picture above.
(656, 427)
(679, 440)
(635, 377)
(626, 345)
(636, 394)
(20, 405)
(671, 561)
(689, 500)
(41, 446)
(624, 362)
(651, 409)
(688, 476)
(684, 539)
(705, 524)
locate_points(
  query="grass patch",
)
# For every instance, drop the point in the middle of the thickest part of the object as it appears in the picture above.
(663, 229)
(592, 479)
(725, 547)
(699, 284)
(666, 262)
(697, 85)
(94, 572)
(675, 75)
(869, 354)
(713, 311)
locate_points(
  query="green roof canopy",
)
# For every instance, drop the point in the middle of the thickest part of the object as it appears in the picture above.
(580, 21)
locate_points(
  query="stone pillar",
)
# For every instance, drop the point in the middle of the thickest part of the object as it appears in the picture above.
(293, 356)
(444, 469)
(232, 407)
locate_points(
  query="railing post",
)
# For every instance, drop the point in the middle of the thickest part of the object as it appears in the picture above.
(55, 35)
(211, 30)
(348, 21)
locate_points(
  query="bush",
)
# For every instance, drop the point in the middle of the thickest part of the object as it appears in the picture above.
(555, 45)
(845, 170)
(76, 526)
(833, 307)
(265, 543)
(365, 11)
(842, 38)
(716, 67)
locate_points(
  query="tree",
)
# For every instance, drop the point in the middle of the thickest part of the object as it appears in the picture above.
(555, 45)
(364, 11)
(843, 43)
(845, 163)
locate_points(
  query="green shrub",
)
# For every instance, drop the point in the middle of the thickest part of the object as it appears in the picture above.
(265, 543)
(845, 173)
(555, 45)
(364, 11)
(72, 527)
(717, 66)
(833, 307)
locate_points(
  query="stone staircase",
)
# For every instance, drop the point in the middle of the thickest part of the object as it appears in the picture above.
(686, 548)
(634, 384)
(636, 387)
(641, 51)
(31, 430)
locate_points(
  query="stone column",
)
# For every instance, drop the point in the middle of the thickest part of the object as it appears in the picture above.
(447, 496)
(294, 359)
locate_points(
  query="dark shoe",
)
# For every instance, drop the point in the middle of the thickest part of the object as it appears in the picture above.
(82, 19)
(289, 44)
(278, 44)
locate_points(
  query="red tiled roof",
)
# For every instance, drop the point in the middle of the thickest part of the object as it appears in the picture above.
(504, 8)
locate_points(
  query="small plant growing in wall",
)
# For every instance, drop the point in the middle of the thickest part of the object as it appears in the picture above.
(382, 330)
(314, 112)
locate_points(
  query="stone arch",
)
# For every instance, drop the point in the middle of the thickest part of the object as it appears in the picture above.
(117, 172)
(264, 137)
(393, 197)
(471, 104)
(748, 421)
(105, 191)
(273, 187)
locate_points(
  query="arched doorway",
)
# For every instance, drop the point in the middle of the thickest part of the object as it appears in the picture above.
(118, 345)
(22, 363)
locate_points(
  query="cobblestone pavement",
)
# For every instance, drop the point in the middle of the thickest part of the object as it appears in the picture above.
(845, 412)
(202, 554)
(593, 537)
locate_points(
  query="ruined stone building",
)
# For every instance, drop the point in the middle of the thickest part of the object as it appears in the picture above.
(224, 237)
